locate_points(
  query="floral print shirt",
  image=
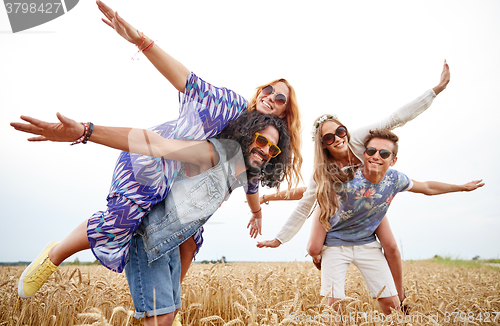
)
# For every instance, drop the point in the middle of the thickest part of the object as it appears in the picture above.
(362, 205)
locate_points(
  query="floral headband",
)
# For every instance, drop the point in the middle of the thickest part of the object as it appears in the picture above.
(320, 121)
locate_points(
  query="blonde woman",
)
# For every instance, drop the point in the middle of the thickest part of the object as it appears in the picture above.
(352, 209)
(339, 168)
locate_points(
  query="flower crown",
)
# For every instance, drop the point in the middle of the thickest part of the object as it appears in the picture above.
(320, 121)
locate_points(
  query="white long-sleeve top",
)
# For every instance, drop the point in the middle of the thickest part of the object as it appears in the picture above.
(397, 119)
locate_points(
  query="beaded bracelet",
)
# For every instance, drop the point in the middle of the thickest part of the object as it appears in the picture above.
(86, 133)
(79, 140)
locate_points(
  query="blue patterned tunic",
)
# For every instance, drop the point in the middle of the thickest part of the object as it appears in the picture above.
(141, 181)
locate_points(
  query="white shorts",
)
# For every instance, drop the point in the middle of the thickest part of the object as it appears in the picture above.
(370, 261)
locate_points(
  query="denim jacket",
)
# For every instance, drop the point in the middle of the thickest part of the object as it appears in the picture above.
(189, 204)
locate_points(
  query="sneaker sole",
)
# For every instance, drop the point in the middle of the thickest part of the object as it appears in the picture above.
(20, 287)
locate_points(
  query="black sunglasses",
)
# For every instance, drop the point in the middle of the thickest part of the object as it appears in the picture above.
(278, 98)
(329, 138)
(384, 153)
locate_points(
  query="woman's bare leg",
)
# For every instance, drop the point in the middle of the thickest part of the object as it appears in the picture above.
(74, 242)
(317, 237)
(392, 254)
(187, 249)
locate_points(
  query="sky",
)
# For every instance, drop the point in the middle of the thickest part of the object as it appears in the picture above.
(361, 60)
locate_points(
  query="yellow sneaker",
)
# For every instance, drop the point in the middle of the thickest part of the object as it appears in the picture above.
(177, 320)
(37, 273)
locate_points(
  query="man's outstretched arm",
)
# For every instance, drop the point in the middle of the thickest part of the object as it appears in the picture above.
(139, 141)
(431, 188)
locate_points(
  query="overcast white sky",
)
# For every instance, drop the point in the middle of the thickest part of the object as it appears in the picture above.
(358, 59)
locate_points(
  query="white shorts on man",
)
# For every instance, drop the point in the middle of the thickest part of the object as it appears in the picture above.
(370, 261)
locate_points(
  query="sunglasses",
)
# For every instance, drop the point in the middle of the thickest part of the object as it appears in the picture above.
(329, 138)
(261, 141)
(384, 153)
(278, 98)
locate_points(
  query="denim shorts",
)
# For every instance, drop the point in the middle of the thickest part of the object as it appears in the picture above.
(155, 287)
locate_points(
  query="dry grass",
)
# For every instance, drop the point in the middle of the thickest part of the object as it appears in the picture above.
(256, 294)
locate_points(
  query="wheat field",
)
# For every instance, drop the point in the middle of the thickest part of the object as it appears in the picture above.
(258, 294)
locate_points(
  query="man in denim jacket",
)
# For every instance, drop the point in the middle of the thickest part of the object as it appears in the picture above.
(254, 147)
(246, 150)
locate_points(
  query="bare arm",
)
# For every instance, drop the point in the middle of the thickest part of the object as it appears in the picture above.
(294, 194)
(431, 188)
(139, 141)
(255, 224)
(176, 73)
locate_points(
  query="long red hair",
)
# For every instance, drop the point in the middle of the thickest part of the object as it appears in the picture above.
(292, 121)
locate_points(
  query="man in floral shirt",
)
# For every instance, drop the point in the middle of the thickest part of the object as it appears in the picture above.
(363, 202)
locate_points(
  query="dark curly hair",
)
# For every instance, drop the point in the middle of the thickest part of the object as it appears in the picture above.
(243, 130)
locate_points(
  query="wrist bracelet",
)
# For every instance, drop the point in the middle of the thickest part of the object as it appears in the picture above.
(149, 46)
(143, 38)
(88, 128)
(260, 208)
(88, 133)
(257, 212)
(79, 140)
(264, 200)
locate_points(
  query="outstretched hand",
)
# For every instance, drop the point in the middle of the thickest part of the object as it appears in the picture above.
(123, 28)
(255, 225)
(445, 79)
(269, 244)
(473, 185)
(66, 130)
